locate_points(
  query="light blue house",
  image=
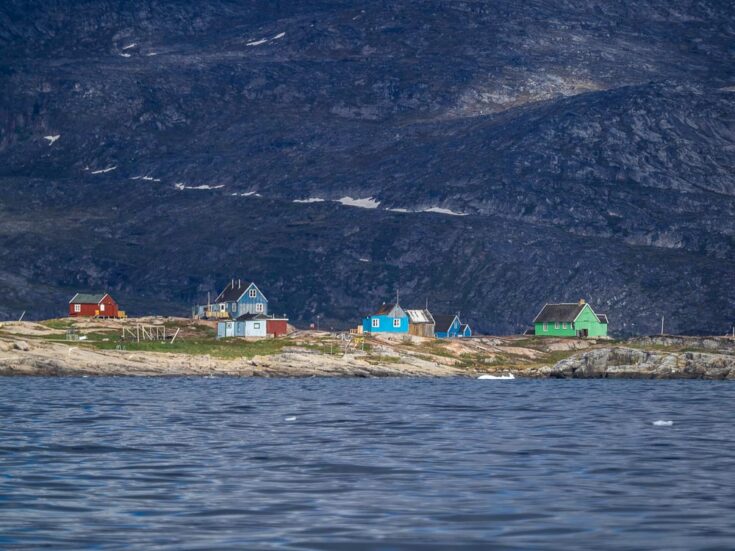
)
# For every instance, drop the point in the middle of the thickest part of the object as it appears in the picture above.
(390, 318)
(239, 298)
(247, 325)
(451, 327)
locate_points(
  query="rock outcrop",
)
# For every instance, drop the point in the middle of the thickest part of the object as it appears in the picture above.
(632, 363)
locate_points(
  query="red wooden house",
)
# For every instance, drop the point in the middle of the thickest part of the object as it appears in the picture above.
(100, 305)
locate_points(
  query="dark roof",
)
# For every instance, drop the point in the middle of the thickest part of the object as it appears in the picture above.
(233, 291)
(385, 309)
(250, 317)
(559, 312)
(464, 327)
(443, 322)
(87, 298)
(602, 318)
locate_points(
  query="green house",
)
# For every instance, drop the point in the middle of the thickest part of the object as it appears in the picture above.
(576, 319)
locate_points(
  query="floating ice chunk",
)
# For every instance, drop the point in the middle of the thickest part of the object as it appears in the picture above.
(309, 200)
(279, 35)
(125, 55)
(257, 42)
(402, 211)
(439, 210)
(149, 54)
(104, 170)
(146, 178)
(52, 139)
(662, 423)
(363, 260)
(498, 377)
(290, 419)
(133, 45)
(366, 203)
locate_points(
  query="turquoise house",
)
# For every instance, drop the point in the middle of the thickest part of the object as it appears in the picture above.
(390, 318)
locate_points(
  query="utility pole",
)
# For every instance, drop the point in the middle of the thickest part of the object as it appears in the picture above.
(662, 325)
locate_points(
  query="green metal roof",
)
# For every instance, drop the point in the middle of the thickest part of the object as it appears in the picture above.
(87, 298)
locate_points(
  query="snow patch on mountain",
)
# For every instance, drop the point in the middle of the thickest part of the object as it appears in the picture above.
(366, 203)
(179, 186)
(104, 170)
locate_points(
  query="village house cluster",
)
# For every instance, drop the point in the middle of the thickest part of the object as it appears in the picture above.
(241, 310)
(393, 319)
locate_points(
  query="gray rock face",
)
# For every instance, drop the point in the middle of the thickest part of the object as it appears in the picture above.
(156, 149)
(630, 363)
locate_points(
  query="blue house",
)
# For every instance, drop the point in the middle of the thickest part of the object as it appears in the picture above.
(390, 318)
(239, 298)
(451, 327)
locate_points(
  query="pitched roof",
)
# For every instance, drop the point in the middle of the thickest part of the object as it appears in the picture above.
(385, 309)
(234, 290)
(559, 312)
(420, 316)
(444, 322)
(87, 298)
(602, 318)
(464, 328)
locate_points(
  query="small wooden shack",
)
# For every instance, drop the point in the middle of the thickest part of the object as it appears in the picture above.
(421, 323)
(91, 305)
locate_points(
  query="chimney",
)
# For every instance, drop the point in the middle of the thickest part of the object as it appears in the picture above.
(581, 302)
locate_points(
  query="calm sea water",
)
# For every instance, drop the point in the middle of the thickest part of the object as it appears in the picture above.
(191, 463)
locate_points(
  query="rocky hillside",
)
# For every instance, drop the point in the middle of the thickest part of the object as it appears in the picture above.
(488, 156)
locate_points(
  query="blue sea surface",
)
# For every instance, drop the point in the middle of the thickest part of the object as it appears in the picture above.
(197, 463)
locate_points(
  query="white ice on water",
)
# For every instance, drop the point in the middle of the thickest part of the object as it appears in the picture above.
(662, 423)
(104, 170)
(182, 187)
(366, 203)
(52, 139)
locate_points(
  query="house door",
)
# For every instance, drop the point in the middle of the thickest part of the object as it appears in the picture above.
(230, 329)
(584, 333)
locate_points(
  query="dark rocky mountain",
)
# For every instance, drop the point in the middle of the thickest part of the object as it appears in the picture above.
(488, 156)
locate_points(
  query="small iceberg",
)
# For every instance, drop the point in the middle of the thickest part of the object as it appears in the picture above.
(498, 377)
(662, 423)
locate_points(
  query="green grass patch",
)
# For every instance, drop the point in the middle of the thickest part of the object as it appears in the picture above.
(224, 348)
(57, 324)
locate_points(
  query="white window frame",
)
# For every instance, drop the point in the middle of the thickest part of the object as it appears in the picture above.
(234, 306)
(77, 307)
(396, 323)
(546, 326)
(223, 307)
(256, 325)
(102, 307)
(259, 307)
(375, 323)
(564, 325)
(252, 293)
(556, 325)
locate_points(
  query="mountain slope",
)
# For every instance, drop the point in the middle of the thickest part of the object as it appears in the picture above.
(589, 148)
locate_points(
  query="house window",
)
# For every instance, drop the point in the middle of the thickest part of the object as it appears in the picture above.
(556, 325)
(396, 322)
(546, 326)
(253, 293)
(376, 322)
(564, 325)
(259, 307)
(256, 325)
(234, 306)
(77, 307)
(102, 307)
(222, 307)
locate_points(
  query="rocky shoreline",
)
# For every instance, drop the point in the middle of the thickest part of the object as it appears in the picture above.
(28, 349)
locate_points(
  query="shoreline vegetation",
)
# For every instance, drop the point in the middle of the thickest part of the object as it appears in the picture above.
(95, 347)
